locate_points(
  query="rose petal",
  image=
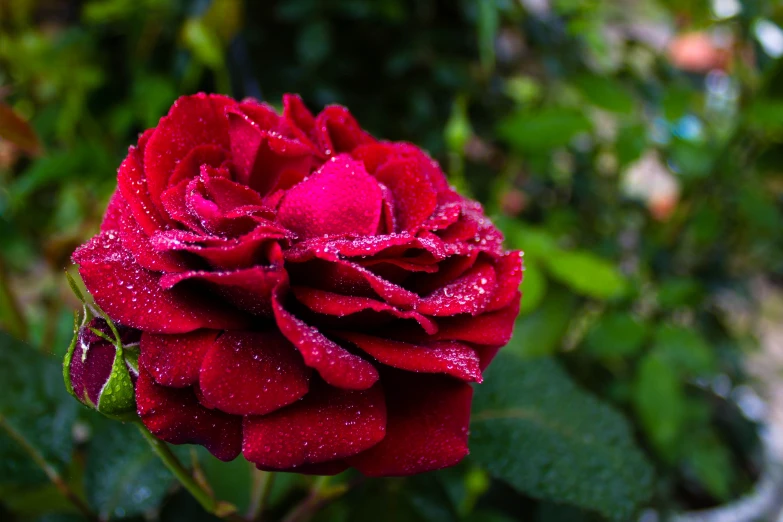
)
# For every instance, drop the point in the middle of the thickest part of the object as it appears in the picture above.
(490, 328)
(336, 365)
(443, 216)
(414, 198)
(375, 155)
(175, 360)
(174, 415)
(88, 373)
(450, 358)
(174, 201)
(190, 166)
(448, 271)
(138, 243)
(340, 198)
(132, 184)
(338, 305)
(392, 245)
(261, 156)
(262, 114)
(249, 289)
(426, 427)
(508, 270)
(327, 424)
(295, 111)
(468, 294)
(192, 121)
(337, 131)
(332, 467)
(114, 210)
(253, 373)
(132, 295)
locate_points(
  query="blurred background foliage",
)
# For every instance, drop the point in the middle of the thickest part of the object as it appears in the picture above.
(631, 148)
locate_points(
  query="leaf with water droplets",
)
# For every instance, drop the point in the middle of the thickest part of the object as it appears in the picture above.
(535, 429)
(122, 476)
(36, 413)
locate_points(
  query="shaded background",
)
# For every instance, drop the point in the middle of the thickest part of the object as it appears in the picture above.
(632, 148)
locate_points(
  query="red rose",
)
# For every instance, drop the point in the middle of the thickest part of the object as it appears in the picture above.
(309, 296)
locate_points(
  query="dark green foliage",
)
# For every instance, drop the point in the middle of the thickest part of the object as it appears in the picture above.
(36, 414)
(533, 428)
(122, 477)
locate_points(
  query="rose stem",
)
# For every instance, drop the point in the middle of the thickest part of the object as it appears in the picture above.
(183, 475)
(50, 472)
(262, 486)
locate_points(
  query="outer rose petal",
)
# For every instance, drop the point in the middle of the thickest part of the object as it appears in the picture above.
(508, 269)
(298, 115)
(175, 360)
(426, 429)
(328, 424)
(175, 415)
(468, 294)
(329, 303)
(491, 328)
(450, 358)
(252, 373)
(192, 121)
(332, 467)
(114, 211)
(138, 243)
(132, 184)
(340, 198)
(89, 372)
(249, 289)
(132, 295)
(336, 365)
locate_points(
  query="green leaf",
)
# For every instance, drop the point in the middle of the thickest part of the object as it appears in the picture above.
(711, 462)
(659, 403)
(541, 332)
(616, 334)
(36, 413)
(203, 42)
(587, 274)
(685, 350)
(535, 429)
(766, 115)
(458, 129)
(606, 93)
(122, 476)
(37, 500)
(488, 21)
(676, 102)
(678, 292)
(117, 396)
(631, 143)
(542, 130)
(533, 287)
(533, 241)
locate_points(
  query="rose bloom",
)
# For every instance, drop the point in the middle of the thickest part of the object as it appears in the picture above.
(307, 295)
